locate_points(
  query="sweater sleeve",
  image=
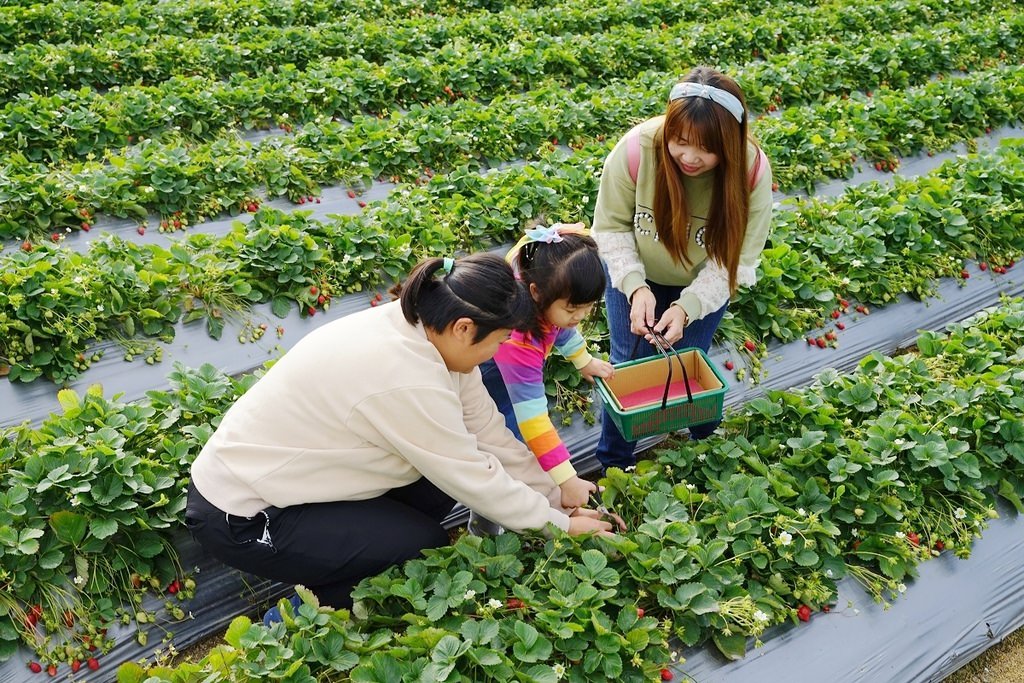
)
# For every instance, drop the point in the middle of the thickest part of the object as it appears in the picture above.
(521, 364)
(430, 427)
(613, 222)
(710, 289)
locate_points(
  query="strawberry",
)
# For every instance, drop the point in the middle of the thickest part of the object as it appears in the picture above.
(820, 341)
(302, 200)
(173, 587)
(810, 341)
(775, 187)
(36, 611)
(750, 345)
(93, 663)
(869, 93)
(878, 165)
(35, 667)
(313, 290)
(826, 608)
(843, 303)
(830, 335)
(803, 613)
(1010, 263)
(351, 193)
(362, 204)
(964, 274)
(321, 299)
(835, 314)
(311, 311)
(52, 669)
(253, 207)
(983, 266)
(729, 365)
(75, 665)
(666, 675)
(940, 546)
(841, 326)
(85, 225)
(141, 229)
(55, 237)
(639, 612)
(914, 539)
(514, 603)
(176, 223)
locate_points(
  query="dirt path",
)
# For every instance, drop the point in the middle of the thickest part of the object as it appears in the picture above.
(1003, 663)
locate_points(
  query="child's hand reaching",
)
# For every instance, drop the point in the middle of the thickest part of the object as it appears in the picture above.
(597, 368)
(576, 492)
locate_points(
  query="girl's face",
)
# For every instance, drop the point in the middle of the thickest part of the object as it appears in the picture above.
(691, 158)
(565, 315)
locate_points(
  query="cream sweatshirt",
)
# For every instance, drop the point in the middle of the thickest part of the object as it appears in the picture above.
(627, 236)
(363, 405)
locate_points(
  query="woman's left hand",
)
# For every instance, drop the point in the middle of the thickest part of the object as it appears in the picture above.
(597, 368)
(671, 325)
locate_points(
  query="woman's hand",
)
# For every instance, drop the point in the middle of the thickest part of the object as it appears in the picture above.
(576, 492)
(671, 325)
(641, 310)
(587, 521)
(597, 368)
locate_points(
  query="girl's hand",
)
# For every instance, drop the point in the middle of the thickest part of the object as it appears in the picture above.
(641, 311)
(672, 323)
(576, 492)
(587, 521)
(597, 368)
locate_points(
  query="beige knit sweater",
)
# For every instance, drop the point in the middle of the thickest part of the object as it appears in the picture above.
(363, 405)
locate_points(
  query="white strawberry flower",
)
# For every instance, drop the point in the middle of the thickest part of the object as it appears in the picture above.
(785, 538)
(960, 513)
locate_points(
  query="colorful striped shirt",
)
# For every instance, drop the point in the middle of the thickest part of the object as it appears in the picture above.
(521, 363)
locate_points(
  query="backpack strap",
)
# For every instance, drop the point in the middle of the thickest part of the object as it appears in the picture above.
(760, 166)
(633, 152)
(757, 171)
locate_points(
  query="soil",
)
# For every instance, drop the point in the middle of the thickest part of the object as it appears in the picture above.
(1002, 663)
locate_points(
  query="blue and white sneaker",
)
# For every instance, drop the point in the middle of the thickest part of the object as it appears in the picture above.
(273, 614)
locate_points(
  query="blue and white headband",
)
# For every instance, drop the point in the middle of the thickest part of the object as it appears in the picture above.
(708, 92)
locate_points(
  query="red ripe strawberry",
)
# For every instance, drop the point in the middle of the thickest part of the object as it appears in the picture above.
(856, 544)
(729, 365)
(869, 93)
(750, 345)
(940, 546)
(362, 204)
(86, 227)
(321, 299)
(830, 335)
(313, 290)
(983, 266)
(176, 222)
(803, 613)
(841, 326)
(52, 669)
(141, 230)
(514, 603)
(844, 303)
(35, 667)
(302, 200)
(914, 539)
(311, 311)
(378, 297)
(878, 165)
(253, 207)
(26, 246)
(55, 237)
(373, 302)
(964, 274)
(1010, 263)
(820, 341)
(826, 608)
(775, 187)
(835, 314)
(810, 341)
(30, 621)
(173, 587)
(93, 663)
(317, 200)
(36, 611)
(75, 665)
(639, 612)
(666, 675)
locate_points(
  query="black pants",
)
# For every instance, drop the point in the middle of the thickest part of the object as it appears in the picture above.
(327, 547)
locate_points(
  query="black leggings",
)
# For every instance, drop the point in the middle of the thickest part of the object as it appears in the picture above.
(327, 547)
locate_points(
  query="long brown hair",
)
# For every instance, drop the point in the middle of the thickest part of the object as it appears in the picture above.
(712, 127)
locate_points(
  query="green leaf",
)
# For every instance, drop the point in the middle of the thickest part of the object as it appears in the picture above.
(734, 647)
(103, 528)
(70, 527)
(239, 626)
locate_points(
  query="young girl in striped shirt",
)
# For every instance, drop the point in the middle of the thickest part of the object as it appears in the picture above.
(563, 271)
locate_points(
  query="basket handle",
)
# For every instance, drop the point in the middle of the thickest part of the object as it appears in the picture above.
(666, 350)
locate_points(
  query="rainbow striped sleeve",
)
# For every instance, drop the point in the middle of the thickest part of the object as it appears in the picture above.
(571, 346)
(521, 362)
